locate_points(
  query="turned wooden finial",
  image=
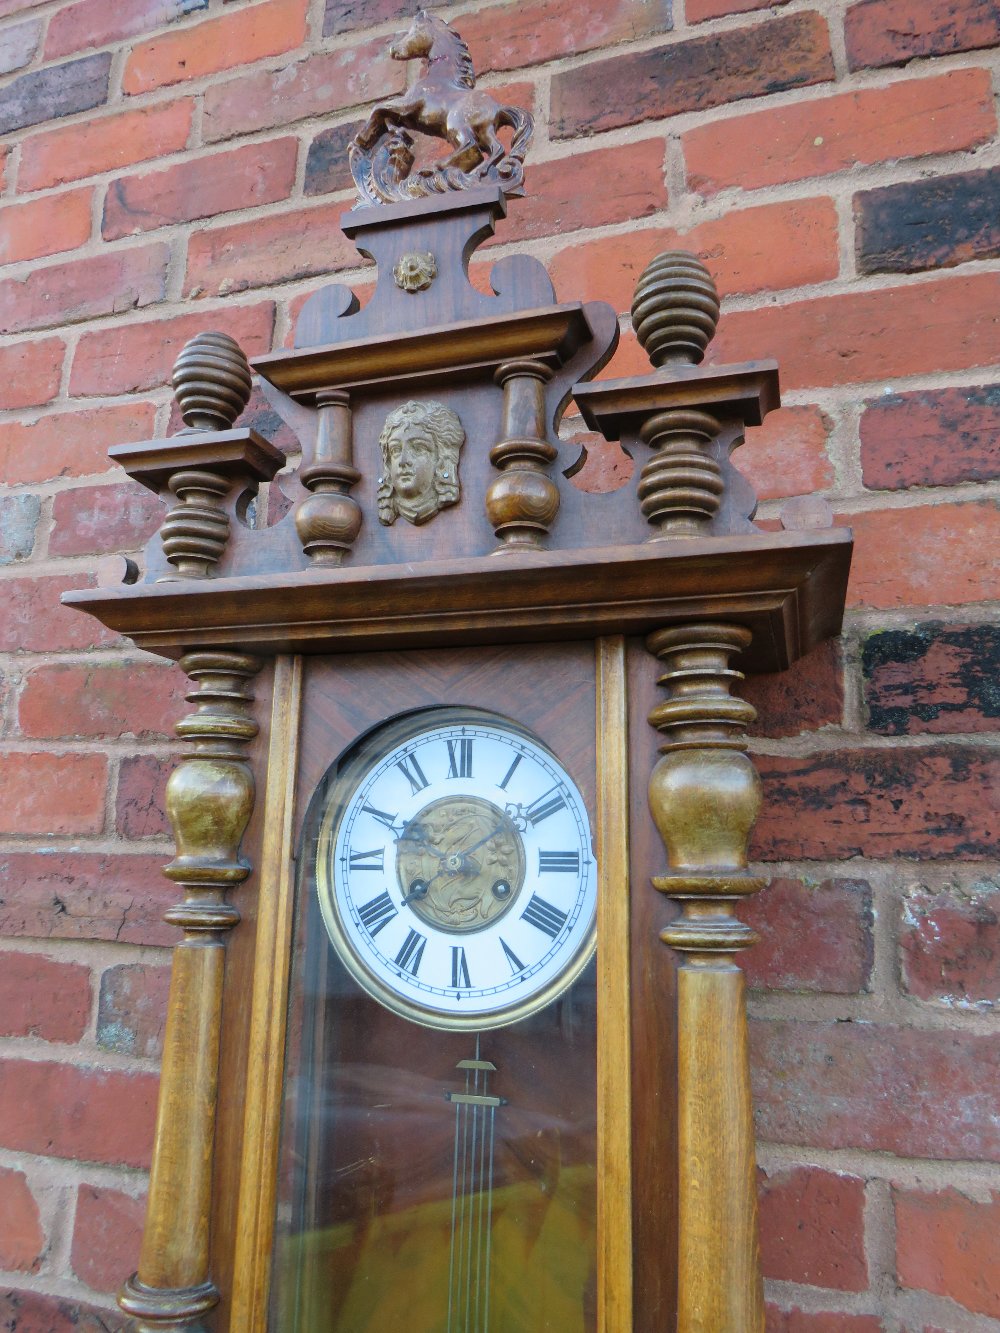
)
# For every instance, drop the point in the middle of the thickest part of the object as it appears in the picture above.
(675, 310)
(211, 381)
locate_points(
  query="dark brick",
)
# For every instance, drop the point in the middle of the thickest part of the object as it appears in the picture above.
(891, 32)
(346, 15)
(808, 696)
(813, 937)
(925, 224)
(35, 1312)
(327, 168)
(908, 1091)
(931, 437)
(931, 801)
(59, 90)
(132, 1009)
(933, 678)
(950, 944)
(18, 520)
(787, 52)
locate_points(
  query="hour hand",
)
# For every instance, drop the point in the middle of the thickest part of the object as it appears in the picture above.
(407, 836)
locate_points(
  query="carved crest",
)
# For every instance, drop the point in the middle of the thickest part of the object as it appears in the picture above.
(445, 104)
(420, 444)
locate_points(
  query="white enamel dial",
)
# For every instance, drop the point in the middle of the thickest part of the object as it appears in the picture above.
(455, 871)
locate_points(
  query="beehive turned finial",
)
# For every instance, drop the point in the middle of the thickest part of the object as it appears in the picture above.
(211, 381)
(675, 310)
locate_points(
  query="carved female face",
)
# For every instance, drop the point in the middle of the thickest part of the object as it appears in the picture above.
(412, 460)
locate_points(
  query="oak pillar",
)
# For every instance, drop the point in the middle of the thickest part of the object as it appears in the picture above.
(704, 795)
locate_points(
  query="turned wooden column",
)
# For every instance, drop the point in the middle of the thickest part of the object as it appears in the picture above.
(523, 501)
(704, 794)
(329, 519)
(210, 797)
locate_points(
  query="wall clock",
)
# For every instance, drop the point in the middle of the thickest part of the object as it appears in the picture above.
(456, 1038)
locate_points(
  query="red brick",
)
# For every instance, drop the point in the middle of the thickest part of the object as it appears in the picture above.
(140, 811)
(949, 324)
(808, 696)
(90, 23)
(107, 144)
(45, 226)
(69, 444)
(812, 1228)
(200, 187)
(908, 1091)
(18, 45)
(706, 71)
(49, 794)
(107, 1234)
(932, 678)
(606, 467)
(589, 190)
(105, 284)
(924, 556)
(132, 357)
(787, 455)
(30, 372)
(696, 11)
(891, 32)
(835, 133)
(799, 1321)
(309, 87)
(238, 38)
(94, 519)
(813, 937)
(56, 894)
(112, 699)
(8, 7)
(36, 1312)
(926, 801)
(276, 248)
(946, 1244)
(506, 37)
(74, 1111)
(40, 997)
(32, 619)
(950, 436)
(949, 945)
(22, 1240)
(758, 249)
(132, 1010)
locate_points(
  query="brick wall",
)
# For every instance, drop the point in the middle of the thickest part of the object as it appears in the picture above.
(174, 165)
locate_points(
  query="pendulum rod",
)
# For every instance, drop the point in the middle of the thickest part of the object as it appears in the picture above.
(472, 1198)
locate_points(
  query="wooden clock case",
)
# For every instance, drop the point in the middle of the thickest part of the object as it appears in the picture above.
(578, 615)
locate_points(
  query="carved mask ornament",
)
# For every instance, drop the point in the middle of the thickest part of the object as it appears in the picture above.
(420, 444)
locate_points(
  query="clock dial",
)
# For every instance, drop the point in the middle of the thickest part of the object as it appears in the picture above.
(455, 872)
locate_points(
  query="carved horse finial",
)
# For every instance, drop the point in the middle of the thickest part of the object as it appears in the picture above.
(444, 103)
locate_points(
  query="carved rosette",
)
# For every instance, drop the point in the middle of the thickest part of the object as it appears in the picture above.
(210, 798)
(523, 501)
(675, 312)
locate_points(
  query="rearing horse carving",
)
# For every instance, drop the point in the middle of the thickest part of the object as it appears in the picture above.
(444, 103)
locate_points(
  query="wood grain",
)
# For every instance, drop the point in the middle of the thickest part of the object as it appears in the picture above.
(614, 1083)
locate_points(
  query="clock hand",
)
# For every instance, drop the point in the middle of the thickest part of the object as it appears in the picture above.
(476, 845)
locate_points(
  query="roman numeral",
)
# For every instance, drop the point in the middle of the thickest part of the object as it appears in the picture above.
(376, 913)
(368, 860)
(545, 805)
(569, 862)
(515, 963)
(411, 952)
(459, 758)
(547, 918)
(413, 773)
(510, 771)
(388, 820)
(459, 967)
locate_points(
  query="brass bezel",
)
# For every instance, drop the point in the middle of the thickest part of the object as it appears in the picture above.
(332, 797)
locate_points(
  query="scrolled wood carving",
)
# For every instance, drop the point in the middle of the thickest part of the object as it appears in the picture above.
(420, 443)
(445, 104)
